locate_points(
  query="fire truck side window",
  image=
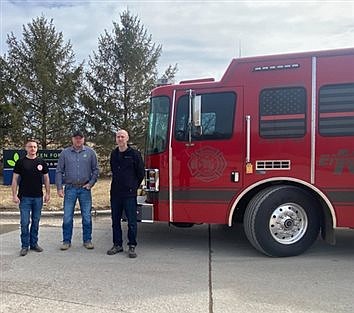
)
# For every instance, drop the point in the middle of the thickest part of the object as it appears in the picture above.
(336, 110)
(217, 117)
(158, 125)
(282, 112)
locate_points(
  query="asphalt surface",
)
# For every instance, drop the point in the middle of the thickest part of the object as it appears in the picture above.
(199, 269)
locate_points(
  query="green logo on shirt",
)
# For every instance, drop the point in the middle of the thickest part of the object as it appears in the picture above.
(15, 159)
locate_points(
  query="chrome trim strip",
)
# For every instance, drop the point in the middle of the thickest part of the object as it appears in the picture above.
(170, 187)
(313, 119)
(319, 192)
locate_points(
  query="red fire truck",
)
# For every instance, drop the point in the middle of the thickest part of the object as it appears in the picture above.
(271, 144)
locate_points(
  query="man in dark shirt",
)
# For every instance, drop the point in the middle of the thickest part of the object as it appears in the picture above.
(77, 169)
(31, 170)
(128, 171)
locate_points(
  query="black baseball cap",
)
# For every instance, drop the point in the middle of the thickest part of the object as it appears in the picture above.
(77, 133)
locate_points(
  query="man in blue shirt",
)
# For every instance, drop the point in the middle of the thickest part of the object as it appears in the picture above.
(77, 169)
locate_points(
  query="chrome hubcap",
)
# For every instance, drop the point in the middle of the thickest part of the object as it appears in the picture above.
(288, 223)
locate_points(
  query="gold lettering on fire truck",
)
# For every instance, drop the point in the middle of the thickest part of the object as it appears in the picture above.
(340, 162)
(207, 164)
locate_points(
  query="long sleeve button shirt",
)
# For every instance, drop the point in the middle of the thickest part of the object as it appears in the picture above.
(76, 167)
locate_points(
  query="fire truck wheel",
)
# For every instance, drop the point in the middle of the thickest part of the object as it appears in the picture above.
(282, 221)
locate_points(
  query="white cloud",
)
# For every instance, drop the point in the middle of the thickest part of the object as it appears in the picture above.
(201, 36)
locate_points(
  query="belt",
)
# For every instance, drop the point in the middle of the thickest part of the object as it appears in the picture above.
(78, 185)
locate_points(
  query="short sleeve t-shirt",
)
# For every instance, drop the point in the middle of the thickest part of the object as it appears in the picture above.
(31, 176)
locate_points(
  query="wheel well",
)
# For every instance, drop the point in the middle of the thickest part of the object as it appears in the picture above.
(326, 218)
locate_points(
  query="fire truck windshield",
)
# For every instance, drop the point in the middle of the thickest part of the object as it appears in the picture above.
(158, 125)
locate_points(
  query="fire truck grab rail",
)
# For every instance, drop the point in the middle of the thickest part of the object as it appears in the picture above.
(248, 138)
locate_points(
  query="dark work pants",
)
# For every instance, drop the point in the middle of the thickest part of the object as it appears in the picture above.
(129, 205)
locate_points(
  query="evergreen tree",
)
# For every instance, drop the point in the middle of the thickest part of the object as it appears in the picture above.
(45, 83)
(170, 73)
(9, 117)
(121, 75)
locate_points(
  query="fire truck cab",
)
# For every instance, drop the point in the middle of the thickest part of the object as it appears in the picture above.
(271, 145)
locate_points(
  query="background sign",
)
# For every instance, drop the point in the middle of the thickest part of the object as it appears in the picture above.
(12, 156)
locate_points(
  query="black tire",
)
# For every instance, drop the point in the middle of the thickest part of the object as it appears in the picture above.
(282, 221)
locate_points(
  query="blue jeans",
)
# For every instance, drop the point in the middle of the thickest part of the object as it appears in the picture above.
(72, 194)
(30, 208)
(129, 206)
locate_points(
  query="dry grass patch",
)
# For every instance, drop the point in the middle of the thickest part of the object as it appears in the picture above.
(100, 197)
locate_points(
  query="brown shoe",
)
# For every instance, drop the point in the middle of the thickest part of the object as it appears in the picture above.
(37, 248)
(23, 251)
(88, 245)
(65, 246)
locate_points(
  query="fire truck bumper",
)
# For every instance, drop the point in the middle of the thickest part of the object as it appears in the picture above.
(145, 210)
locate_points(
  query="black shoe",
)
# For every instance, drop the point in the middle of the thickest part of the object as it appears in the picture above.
(23, 251)
(115, 250)
(36, 248)
(131, 252)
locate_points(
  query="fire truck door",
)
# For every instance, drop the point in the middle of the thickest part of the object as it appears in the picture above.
(206, 161)
(335, 144)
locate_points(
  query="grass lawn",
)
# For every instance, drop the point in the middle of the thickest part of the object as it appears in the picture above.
(100, 197)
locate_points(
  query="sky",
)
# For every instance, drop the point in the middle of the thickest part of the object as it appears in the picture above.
(202, 37)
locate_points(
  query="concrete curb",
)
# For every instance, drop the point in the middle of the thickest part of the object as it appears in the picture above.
(46, 213)
(10, 214)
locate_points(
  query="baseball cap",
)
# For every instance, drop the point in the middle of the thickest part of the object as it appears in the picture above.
(77, 133)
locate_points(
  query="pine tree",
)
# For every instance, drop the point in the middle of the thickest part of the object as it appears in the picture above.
(121, 75)
(170, 73)
(9, 116)
(45, 83)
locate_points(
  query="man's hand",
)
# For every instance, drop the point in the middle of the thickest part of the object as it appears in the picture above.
(60, 193)
(87, 186)
(15, 199)
(46, 198)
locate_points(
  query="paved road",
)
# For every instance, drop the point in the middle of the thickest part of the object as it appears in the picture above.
(200, 269)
